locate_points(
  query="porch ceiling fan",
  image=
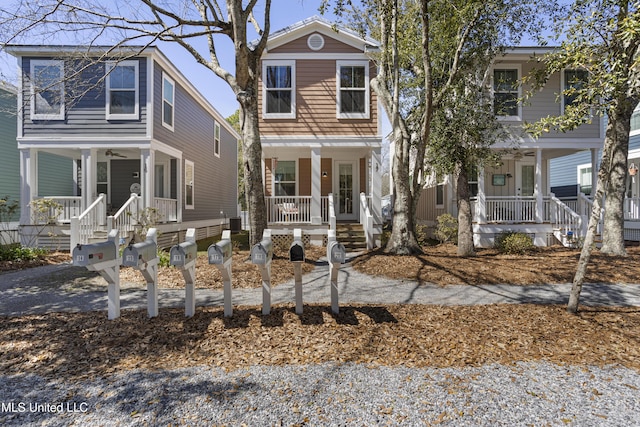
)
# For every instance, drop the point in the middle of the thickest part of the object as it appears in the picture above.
(111, 153)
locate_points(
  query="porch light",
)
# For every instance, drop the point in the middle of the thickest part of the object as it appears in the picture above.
(324, 174)
(633, 169)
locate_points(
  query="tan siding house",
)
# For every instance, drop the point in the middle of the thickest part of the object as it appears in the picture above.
(320, 128)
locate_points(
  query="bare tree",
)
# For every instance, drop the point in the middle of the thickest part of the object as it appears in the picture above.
(199, 26)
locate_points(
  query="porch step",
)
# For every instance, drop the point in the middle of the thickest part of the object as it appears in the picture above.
(351, 236)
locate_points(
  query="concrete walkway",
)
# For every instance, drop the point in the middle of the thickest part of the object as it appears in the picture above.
(23, 293)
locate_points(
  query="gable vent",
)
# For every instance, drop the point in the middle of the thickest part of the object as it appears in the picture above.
(315, 41)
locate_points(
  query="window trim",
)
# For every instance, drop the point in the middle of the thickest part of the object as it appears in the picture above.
(136, 109)
(278, 63)
(216, 138)
(367, 90)
(518, 69)
(166, 78)
(187, 164)
(295, 181)
(579, 169)
(46, 62)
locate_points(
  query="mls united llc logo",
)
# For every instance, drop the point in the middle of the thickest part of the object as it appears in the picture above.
(22, 407)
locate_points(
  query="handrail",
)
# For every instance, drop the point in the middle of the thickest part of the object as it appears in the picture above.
(83, 225)
(565, 219)
(366, 219)
(332, 213)
(126, 218)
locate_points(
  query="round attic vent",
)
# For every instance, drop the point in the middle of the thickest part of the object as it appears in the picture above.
(315, 41)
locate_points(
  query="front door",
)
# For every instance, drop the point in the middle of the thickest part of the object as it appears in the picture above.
(125, 179)
(345, 185)
(525, 187)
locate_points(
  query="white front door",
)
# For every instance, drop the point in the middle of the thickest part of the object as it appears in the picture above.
(345, 185)
(525, 178)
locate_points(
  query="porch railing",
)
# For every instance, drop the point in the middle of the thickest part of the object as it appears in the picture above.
(70, 206)
(505, 209)
(564, 219)
(294, 209)
(93, 218)
(632, 209)
(167, 209)
(125, 220)
(366, 219)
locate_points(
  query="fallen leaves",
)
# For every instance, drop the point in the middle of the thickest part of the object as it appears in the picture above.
(87, 344)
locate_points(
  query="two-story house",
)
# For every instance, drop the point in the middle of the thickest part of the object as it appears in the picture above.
(320, 130)
(516, 196)
(138, 137)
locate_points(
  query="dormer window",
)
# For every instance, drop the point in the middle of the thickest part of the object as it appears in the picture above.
(47, 90)
(353, 89)
(506, 93)
(122, 90)
(278, 90)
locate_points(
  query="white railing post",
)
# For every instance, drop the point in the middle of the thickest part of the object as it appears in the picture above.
(332, 213)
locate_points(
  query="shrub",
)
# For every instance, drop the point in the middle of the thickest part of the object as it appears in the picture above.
(514, 243)
(164, 258)
(20, 253)
(446, 229)
(422, 234)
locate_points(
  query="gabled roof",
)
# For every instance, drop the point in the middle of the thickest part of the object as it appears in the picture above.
(323, 26)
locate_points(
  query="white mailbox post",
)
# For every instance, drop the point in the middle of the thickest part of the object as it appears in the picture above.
(296, 256)
(103, 258)
(144, 257)
(336, 256)
(183, 256)
(220, 254)
(261, 255)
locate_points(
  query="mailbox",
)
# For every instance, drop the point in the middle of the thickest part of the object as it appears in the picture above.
(262, 252)
(183, 253)
(139, 253)
(93, 253)
(220, 252)
(296, 250)
(336, 252)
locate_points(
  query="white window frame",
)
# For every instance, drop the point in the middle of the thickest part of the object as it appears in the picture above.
(579, 169)
(278, 63)
(367, 92)
(136, 109)
(216, 139)
(187, 164)
(167, 79)
(51, 63)
(518, 68)
(562, 86)
(296, 181)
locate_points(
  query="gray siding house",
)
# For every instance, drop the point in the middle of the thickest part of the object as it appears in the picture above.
(138, 139)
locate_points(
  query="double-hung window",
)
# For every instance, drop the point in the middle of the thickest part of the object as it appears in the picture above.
(122, 90)
(279, 89)
(506, 93)
(572, 82)
(168, 97)
(47, 90)
(353, 89)
(216, 139)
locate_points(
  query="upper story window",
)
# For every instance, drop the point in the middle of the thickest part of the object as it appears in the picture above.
(216, 139)
(572, 81)
(635, 121)
(506, 92)
(353, 89)
(279, 90)
(47, 90)
(168, 95)
(122, 90)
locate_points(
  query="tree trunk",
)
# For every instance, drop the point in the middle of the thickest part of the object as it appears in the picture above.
(618, 134)
(465, 218)
(252, 165)
(403, 239)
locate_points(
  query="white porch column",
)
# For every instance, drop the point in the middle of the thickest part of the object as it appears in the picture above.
(316, 182)
(89, 166)
(594, 170)
(376, 185)
(481, 200)
(28, 182)
(147, 162)
(537, 191)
